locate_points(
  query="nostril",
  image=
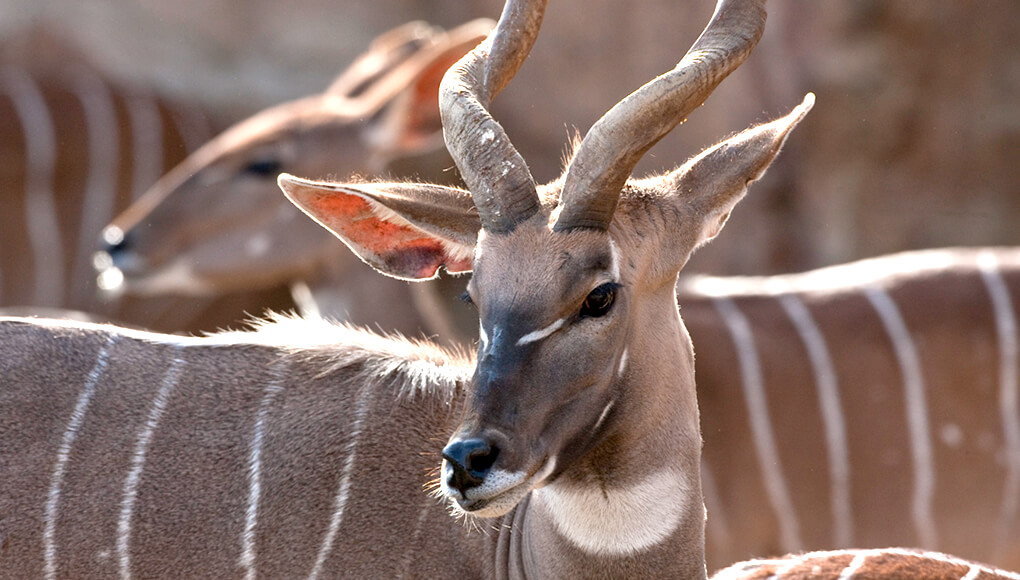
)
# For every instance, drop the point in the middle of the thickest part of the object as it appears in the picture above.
(479, 461)
(470, 461)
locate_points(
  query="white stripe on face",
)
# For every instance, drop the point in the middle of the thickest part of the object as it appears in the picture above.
(541, 333)
(615, 267)
(603, 415)
(484, 338)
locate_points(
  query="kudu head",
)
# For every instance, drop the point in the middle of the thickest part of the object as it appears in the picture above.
(217, 222)
(583, 362)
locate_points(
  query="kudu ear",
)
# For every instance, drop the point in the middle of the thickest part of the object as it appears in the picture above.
(385, 53)
(408, 123)
(711, 184)
(404, 230)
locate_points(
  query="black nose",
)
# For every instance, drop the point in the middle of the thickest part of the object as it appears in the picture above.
(470, 461)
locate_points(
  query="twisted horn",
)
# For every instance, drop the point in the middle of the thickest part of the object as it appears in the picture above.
(500, 182)
(614, 144)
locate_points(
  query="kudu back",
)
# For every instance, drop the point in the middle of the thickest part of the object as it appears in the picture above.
(866, 404)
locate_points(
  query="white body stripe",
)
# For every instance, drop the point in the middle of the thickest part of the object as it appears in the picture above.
(785, 568)
(127, 506)
(832, 415)
(761, 427)
(343, 490)
(247, 560)
(790, 564)
(854, 566)
(419, 526)
(147, 143)
(972, 573)
(860, 556)
(64, 454)
(41, 207)
(101, 179)
(1009, 397)
(917, 414)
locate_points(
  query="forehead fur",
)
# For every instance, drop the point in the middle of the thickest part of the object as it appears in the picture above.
(535, 262)
(634, 233)
(533, 249)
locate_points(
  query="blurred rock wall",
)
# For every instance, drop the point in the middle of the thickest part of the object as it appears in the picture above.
(914, 141)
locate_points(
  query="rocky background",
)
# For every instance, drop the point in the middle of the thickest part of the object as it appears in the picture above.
(914, 141)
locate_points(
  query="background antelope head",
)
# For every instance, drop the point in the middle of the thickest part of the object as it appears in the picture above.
(217, 223)
(584, 378)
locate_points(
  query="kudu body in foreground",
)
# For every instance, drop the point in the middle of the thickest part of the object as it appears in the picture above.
(197, 229)
(809, 333)
(77, 149)
(575, 438)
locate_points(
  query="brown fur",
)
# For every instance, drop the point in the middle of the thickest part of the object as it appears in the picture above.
(192, 492)
(64, 92)
(210, 212)
(948, 312)
(890, 563)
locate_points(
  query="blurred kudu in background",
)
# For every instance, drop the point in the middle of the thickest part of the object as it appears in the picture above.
(218, 223)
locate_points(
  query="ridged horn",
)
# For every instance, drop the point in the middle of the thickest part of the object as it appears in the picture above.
(613, 146)
(500, 182)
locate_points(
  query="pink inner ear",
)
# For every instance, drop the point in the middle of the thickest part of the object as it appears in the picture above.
(395, 248)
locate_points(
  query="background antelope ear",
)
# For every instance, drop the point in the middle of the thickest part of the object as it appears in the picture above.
(710, 185)
(408, 122)
(385, 53)
(404, 230)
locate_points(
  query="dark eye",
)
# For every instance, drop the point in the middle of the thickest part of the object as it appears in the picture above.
(264, 168)
(465, 297)
(599, 301)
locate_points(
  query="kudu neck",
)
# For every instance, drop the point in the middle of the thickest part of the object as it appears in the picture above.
(635, 499)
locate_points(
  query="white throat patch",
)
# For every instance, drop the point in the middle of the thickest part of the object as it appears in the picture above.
(619, 521)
